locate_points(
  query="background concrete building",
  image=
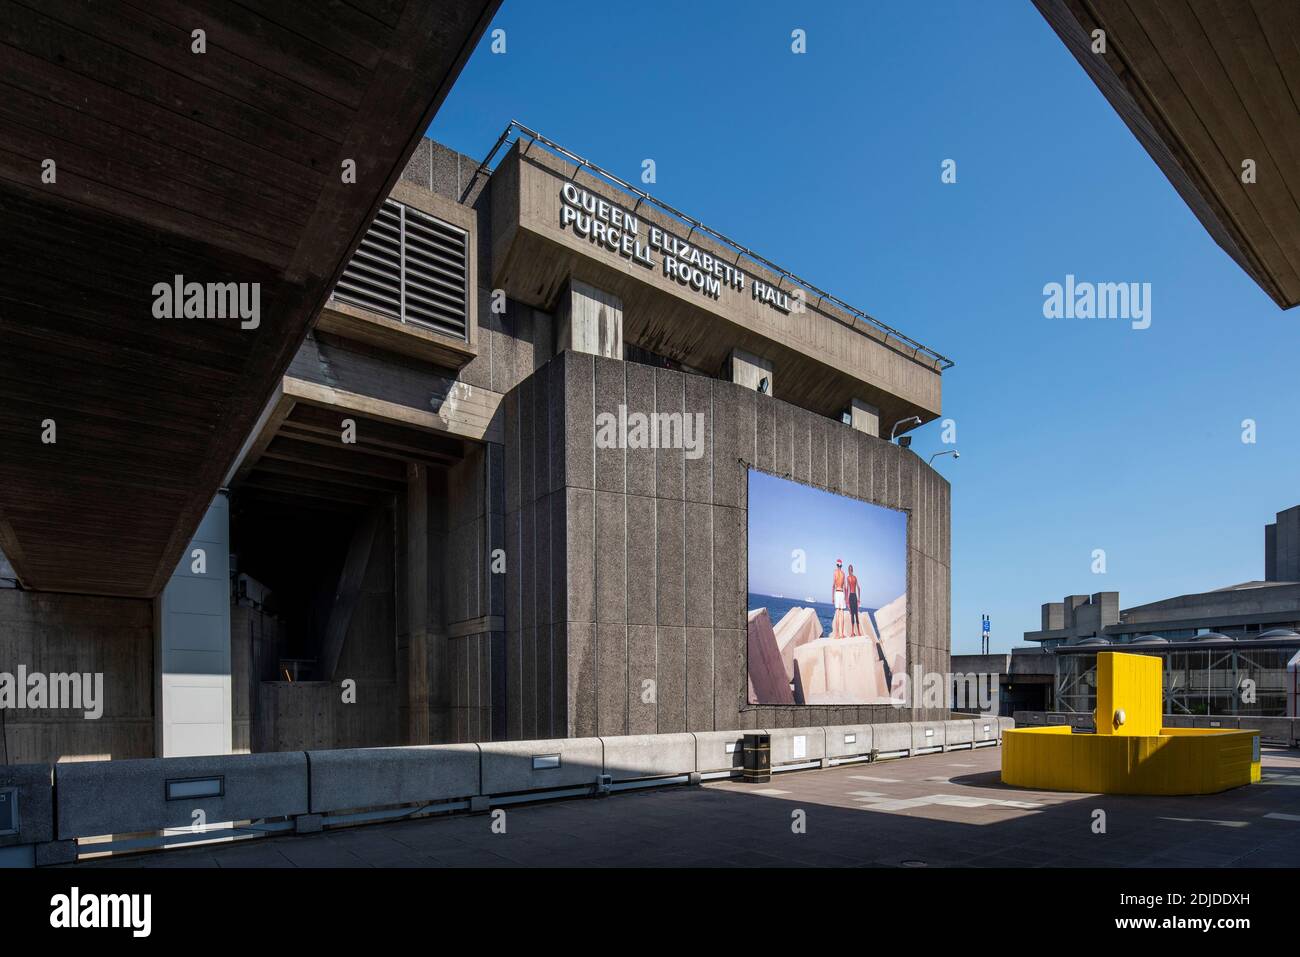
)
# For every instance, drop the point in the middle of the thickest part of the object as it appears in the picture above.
(1211, 641)
(1023, 680)
(1245, 610)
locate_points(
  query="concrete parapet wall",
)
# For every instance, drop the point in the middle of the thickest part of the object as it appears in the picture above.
(986, 728)
(121, 798)
(1274, 730)
(511, 766)
(376, 777)
(1216, 721)
(797, 745)
(928, 734)
(33, 795)
(959, 733)
(849, 741)
(116, 797)
(720, 750)
(629, 757)
(896, 736)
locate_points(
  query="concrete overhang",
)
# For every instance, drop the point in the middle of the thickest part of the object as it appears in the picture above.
(1272, 597)
(1220, 621)
(823, 357)
(1207, 86)
(129, 158)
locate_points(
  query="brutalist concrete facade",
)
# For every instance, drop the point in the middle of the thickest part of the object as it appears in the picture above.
(622, 605)
(625, 594)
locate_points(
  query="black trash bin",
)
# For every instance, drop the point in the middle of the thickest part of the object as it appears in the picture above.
(758, 758)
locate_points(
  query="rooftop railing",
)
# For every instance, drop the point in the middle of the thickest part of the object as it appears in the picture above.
(517, 130)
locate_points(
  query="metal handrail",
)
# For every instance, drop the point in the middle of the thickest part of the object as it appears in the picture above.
(642, 196)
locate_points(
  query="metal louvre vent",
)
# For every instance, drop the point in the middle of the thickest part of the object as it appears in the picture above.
(436, 273)
(373, 279)
(412, 267)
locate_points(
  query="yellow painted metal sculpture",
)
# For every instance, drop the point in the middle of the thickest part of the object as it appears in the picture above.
(1130, 753)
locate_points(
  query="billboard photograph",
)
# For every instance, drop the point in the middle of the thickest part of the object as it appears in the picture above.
(827, 603)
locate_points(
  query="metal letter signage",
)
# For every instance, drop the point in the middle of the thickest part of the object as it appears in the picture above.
(615, 229)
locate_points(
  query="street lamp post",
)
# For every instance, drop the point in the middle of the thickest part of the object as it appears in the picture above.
(894, 431)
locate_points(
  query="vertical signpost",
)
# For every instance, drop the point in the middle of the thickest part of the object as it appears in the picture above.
(984, 634)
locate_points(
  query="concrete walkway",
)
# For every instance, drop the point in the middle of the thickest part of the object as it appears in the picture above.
(937, 810)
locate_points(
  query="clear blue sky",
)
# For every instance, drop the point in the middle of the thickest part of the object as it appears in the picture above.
(1074, 434)
(786, 515)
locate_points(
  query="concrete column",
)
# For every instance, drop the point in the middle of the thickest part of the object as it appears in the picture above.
(416, 564)
(750, 370)
(589, 320)
(864, 417)
(192, 645)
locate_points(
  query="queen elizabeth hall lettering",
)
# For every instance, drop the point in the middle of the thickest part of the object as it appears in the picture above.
(604, 224)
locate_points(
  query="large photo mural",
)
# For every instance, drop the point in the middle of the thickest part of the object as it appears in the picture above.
(827, 597)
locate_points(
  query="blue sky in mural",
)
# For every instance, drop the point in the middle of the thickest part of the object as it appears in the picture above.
(785, 516)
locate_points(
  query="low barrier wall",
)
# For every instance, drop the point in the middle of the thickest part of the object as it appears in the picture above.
(928, 735)
(719, 751)
(849, 741)
(29, 819)
(797, 745)
(1272, 730)
(958, 733)
(150, 794)
(891, 738)
(52, 808)
(639, 756)
(987, 730)
(509, 767)
(377, 777)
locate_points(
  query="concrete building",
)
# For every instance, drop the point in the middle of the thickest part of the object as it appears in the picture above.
(429, 542)
(1021, 680)
(1245, 610)
(1211, 641)
(1199, 85)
